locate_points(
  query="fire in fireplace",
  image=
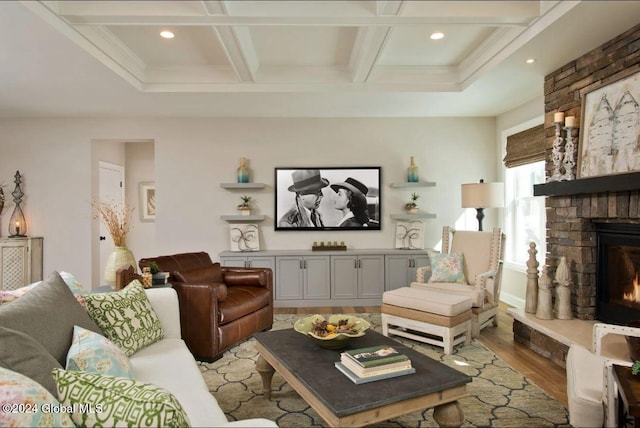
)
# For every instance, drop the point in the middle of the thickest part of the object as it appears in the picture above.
(617, 273)
(634, 296)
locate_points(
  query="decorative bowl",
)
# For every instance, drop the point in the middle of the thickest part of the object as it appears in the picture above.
(338, 340)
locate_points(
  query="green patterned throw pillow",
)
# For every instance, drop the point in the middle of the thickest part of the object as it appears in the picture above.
(101, 400)
(126, 317)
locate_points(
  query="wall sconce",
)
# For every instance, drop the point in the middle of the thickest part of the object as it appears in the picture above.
(482, 195)
(17, 223)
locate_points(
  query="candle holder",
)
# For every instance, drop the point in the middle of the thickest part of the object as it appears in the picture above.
(569, 155)
(557, 154)
(17, 223)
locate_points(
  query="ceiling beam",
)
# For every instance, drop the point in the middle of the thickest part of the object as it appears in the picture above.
(333, 21)
(240, 51)
(369, 43)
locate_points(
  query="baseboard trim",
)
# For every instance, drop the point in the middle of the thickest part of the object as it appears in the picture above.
(512, 300)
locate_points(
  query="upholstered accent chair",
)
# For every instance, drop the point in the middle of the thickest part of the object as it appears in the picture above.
(469, 265)
(591, 389)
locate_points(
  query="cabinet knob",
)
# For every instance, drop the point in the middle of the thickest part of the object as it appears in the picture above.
(102, 238)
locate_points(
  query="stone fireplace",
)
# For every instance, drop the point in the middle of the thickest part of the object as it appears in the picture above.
(575, 209)
(580, 214)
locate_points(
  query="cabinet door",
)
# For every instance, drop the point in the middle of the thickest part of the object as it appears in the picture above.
(317, 277)
(233, 261)
(14, 264)
(262, 262)
(370, 276)
(397, 271)
(289, 277)
(344, 277)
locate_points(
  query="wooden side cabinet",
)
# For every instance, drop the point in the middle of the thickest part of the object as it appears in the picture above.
(20, 262)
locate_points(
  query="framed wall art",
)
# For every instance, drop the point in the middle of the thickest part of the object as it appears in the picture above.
(147, 193)
(327, 198)
(244, 237)
(610, 130)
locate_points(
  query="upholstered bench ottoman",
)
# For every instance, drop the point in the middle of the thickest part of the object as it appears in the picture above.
(427, 316)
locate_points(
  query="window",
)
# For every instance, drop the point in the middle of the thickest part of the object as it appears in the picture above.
(525, 215)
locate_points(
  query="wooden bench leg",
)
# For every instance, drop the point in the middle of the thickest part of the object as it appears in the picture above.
(385, 325)
(448, 415)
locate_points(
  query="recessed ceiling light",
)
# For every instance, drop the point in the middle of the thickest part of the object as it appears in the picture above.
(167, 34)
(530, 61)
(437, 36)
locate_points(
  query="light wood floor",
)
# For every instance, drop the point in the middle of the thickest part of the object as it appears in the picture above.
(538, 369)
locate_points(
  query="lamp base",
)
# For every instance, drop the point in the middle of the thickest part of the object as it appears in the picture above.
(480, 217)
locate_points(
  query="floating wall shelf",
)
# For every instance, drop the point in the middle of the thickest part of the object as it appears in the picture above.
(232, 186)
(242, 218)
(409, 217)
(414, 184)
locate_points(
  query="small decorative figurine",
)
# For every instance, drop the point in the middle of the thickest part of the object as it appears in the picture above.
(563, 291)
(532, 280)
(545, 306)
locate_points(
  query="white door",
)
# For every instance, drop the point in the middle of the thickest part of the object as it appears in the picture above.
(110, 189)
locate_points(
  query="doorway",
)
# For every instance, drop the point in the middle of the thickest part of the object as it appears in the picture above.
(110, 189)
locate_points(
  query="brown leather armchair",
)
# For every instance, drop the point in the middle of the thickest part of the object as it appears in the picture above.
(219, 306)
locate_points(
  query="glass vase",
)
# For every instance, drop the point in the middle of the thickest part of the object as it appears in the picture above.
(243, 171)
(412, 171)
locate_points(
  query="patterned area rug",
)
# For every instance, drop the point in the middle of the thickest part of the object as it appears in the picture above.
(499, 395)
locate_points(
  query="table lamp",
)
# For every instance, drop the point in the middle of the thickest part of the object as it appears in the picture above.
(482, 195)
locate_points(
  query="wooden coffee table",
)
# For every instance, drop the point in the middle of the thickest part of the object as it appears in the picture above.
(310, 371)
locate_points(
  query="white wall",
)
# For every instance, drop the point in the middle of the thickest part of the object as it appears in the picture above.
(514, 280)
(193, 156)
(139, 168)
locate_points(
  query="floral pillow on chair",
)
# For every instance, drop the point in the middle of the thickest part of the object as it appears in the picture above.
(448, 268)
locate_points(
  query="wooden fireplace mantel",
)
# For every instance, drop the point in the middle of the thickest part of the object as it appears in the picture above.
(604, 184)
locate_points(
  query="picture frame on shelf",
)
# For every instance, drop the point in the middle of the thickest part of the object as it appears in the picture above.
(244, 237)
(410, 235)
(610, 129)
(330, 198)
(147, 193)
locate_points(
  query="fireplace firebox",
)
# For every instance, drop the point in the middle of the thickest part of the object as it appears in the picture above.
(617, 267)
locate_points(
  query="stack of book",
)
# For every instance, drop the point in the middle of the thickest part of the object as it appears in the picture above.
(374, 363)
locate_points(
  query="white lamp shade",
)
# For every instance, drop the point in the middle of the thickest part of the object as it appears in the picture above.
(483, 195)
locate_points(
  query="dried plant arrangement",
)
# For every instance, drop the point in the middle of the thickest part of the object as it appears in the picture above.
(117, 218)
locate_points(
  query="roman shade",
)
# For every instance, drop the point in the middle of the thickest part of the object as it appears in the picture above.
(525, 147)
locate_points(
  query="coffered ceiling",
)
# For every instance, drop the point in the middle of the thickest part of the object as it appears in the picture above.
(307, 58)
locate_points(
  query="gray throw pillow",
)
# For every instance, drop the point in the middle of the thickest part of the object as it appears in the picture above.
(21, 353)
(48, 313)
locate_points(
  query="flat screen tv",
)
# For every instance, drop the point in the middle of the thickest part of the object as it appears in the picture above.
(327, 198)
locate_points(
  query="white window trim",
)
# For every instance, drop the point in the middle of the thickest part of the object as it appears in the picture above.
(511, 265)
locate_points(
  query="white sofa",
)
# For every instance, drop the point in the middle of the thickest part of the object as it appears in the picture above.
(37, 324)
(169, 364)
